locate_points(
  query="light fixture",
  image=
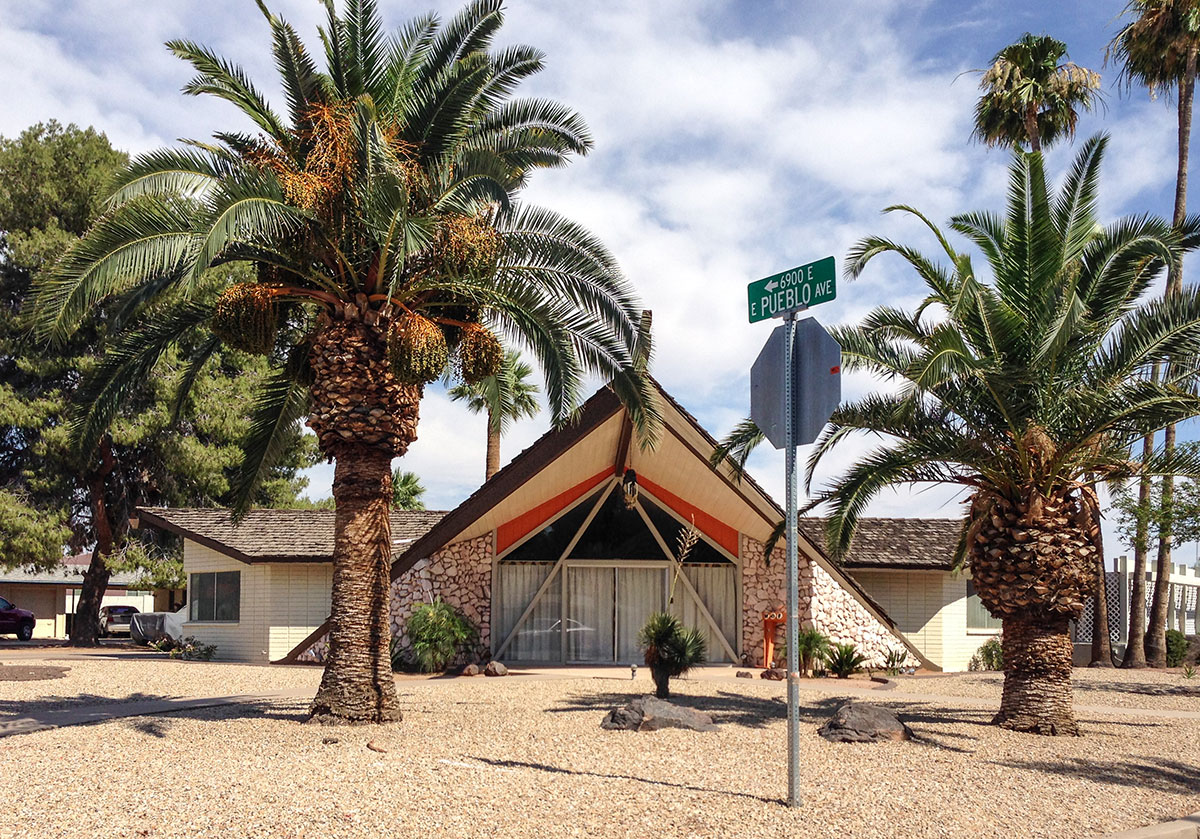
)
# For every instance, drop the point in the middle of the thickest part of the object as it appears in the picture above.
(629, 488)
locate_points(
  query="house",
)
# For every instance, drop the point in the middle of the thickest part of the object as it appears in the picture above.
(561, 556)
(53, 595)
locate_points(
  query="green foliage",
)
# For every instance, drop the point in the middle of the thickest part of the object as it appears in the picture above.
(670, 649)
(437, 633)
(844, 660)
(989, 656)
(1189, 671)
(1177, 647)
(893, 661)
(153, 567)
(1133, 520)
(811, 646)
(407, 491)
(188, 649)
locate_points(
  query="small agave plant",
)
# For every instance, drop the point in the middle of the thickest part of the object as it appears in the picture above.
(671, 650)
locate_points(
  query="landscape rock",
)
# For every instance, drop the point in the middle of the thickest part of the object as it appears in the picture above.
(744, 674)
(374, 746)
(495, 668)
(775, 674)
(648, 713)
(858, 722)
(471, 670)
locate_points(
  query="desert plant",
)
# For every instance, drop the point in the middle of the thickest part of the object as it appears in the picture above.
(1177, 647)
(671, 650)
(989, 656)
(844, 660)
(188, 649)
(1189, 671)
(811, 646)
(894, 660)
(437, 632)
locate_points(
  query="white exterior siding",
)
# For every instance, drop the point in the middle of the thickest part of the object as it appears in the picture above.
(930, 607)
(298, 603)
(280, 604)
(245, 639)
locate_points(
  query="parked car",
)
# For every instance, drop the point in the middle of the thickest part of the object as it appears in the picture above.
(15, 621)
(115, 619)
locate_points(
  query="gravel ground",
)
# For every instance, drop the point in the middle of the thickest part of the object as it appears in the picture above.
(525, 757)
(1157, 689)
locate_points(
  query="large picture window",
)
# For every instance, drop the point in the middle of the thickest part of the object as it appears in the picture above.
(978, 616)
(215, 596)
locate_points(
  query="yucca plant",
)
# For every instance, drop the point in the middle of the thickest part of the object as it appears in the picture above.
(844, 660)
(437, 633)
(670, 650)
(893, 661)
(380, 213)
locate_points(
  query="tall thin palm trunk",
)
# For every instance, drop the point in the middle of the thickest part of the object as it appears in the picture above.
(1101, 642)
(1156, 637)
(493, 448)
(1135, 649)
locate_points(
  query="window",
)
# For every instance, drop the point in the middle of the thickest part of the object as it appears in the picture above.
(978, 616)
(215, 597)
(5, 605)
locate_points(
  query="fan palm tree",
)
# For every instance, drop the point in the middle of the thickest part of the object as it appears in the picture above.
(1029, 98)
(1158, 48)
(504, 397)
(1024, 391)
(407, 491)
(380, 214)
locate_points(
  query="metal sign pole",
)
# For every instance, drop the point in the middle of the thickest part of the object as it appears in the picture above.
(792, 575)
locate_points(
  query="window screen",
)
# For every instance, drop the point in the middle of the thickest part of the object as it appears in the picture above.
(215, 596)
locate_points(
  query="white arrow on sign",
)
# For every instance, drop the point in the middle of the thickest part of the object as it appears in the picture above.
(771, 286)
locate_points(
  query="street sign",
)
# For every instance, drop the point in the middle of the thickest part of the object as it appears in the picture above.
(790, 291)
(816, 383)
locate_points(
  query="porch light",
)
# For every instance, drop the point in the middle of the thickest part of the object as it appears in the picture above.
(629, 488)
(633, 671)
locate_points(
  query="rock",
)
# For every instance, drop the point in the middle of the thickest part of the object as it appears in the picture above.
(374, 746)
(329, 741)
(744, 674)
(472, 670)
(495, 668)
(775, 674)
(858, 722)
(647, 713)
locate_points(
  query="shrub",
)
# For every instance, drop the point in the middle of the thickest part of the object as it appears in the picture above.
(437, 632)
(670, 649)
(188, 649)
(811, 646)
(1177, 647)
(893, 662)
(989, 656)
(844, 660)
(1189, 672)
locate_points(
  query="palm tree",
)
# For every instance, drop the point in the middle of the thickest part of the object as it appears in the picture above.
(504, 397)
(1023, 391)
(380, 214)
(407, 491)
(1029, 98)
(1158, 48)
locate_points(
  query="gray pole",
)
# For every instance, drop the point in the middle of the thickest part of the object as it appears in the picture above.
(792, 575)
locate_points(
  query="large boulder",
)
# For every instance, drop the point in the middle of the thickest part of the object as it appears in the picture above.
(857, 722)
(775, 674)
(471, 670)
(647, 713)
(495, 668)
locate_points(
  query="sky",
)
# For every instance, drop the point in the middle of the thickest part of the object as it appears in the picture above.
(733, 140)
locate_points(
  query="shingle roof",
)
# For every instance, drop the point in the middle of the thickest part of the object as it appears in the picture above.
(69, 573)
(916, 544)
(277, 535)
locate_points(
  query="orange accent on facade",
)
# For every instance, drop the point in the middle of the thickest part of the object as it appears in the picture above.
(511, 532)
(710, 526)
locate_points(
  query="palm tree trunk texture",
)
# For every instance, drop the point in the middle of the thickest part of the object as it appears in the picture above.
(1156, 636)
(1101, 642)
(1037, 676)
(493, 449)
(358, 685)
(1135, 650)
(363, 417)
(1031, 128)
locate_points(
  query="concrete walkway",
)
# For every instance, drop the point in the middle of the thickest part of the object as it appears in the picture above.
(103, 712)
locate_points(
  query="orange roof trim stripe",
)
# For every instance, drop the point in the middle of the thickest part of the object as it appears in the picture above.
(710, 526)
(511, 532)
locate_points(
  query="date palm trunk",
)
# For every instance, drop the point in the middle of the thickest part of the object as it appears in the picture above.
(1135, 643)
(1037, 675)
(363, 417)
(1156, 635)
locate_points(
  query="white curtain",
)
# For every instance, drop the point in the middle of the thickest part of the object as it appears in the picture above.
(717, 588)
(640, 593)
(538, 638)
(590, 614)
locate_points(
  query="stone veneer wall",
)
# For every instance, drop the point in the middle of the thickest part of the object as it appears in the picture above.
(823, 603)
(460, 574)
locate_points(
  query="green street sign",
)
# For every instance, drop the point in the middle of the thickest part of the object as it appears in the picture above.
(788, 291)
